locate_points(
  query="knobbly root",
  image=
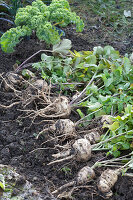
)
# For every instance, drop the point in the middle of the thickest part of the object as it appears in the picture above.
(106, 181)
(60, 108)
(11, 81)
(81, 151)
(64, 127)
(84, 175)
(93, 137)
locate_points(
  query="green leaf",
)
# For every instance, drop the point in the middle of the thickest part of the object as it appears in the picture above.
(63, 47)
(94, 106)
(107, 50)
(126, 145)
(112, 127)
(91, 59)
(2, 182)
(46, 58)
(127, 65)
(98, 50)
(116, 153)
(108, 82)
(104, 99)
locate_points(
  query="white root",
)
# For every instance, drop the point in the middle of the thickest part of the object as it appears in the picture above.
(93, 137)
(59, 108)
(63, 127)
(84, 175)
(107, 180)
(81, 152)
(62, 154)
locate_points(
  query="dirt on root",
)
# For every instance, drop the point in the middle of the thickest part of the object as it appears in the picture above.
(18, 135)
(20, 149)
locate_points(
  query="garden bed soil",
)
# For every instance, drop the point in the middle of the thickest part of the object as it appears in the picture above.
(18, 140)
(17, 135)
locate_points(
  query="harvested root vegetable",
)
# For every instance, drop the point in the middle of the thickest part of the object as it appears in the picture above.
(64, 127)
(84, 175)
(82, 150)
(93, 137)
(12, 79)
(59, 108)
(107, 180)
(41, 85)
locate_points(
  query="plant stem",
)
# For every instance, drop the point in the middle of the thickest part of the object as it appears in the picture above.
(88, 96)
(116, 136)
(20, 66)
(84, 90)
(80, 121)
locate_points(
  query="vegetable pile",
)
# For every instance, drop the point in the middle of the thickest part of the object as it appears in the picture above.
(96, 85)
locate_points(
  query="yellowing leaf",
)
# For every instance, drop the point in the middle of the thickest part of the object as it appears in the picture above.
(77, 54)
(112, 127)
(2, 182)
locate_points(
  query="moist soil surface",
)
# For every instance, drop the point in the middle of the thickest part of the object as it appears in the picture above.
(18, 134)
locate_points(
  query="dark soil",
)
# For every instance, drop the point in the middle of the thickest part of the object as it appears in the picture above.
(17, 134)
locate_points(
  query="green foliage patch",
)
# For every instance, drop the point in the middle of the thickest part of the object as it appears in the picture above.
(110, 93)
(122, 124)
(43, 20)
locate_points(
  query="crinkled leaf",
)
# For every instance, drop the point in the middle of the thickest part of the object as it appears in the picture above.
(98, 50)
(104, 98)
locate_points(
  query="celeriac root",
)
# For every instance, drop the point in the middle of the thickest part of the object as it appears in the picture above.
(81, 151)
(60, 108)
(93, 137)
(84, 175)
(64, 127)
(107, 180)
